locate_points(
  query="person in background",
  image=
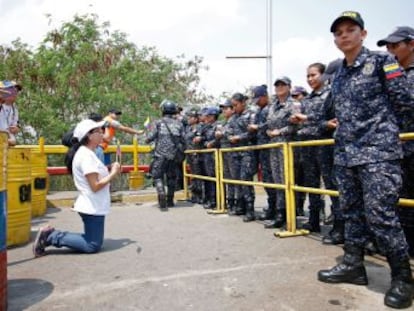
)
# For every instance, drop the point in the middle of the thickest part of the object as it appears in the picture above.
(366, 92)
(299, 93)
(168, 136)
(92, 180)
(259, 127)
(319, 160)
(9, 114)
(244, 165)
(113, 125)
(206, 138)
(222, 134)
(193, 159)
(279, 129)
(400, 43)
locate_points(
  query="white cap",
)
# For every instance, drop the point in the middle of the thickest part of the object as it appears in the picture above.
(85, 126)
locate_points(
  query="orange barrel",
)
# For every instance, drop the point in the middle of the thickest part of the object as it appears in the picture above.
(3, 221)
(38, 163)
(19, 185)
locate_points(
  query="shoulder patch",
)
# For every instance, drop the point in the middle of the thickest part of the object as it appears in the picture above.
(392, 70)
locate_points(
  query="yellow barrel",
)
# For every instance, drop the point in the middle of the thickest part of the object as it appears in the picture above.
(38, 163)
(136, 180)
(19, 184)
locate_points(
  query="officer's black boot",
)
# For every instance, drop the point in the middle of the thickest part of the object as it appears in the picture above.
(313, 224)
(230, 206)
(336, 235)
(401, 293)
(350, 270)
(170, 196)
(240, 208)
(170, 201)
(162, 204)
(278, 222)
(249, 216)
(269, 212)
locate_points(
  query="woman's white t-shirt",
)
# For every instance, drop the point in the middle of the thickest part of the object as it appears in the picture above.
(89, 202)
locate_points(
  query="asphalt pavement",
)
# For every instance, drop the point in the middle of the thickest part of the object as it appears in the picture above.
(185, 259)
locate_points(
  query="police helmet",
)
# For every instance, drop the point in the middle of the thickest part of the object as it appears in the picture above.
(168, 107)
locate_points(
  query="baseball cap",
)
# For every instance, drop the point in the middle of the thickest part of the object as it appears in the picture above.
(116, 111)
(212, 111)
(332, 67)
(259, 91)
(284, 80)
(192, 113)
(348, 15)
(85, 126)
(297, 90)
(399, 34)
(226, 103)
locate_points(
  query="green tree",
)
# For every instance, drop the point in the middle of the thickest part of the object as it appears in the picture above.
(85, 67)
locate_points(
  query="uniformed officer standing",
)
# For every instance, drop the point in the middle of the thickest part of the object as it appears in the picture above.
(222, 134)
(167, 133)
(401, 43)
(261, 99)
(207, 140)
(366, 91)
(279, 129)
(193, 159)
(244, 165)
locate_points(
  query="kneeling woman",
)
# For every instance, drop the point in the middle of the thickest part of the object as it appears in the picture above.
(91, 179)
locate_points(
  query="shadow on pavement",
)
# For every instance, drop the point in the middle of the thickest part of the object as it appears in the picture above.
(23, 293)
(114, 244)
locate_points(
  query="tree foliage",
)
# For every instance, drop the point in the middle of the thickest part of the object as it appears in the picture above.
(85, 67)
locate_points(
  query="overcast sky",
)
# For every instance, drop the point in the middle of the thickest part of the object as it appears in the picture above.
(215, 29)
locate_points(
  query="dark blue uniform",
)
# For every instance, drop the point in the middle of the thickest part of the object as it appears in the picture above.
(367, 151)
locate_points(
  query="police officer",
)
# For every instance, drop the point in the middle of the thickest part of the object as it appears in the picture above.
(167, 134)
(401, 44)
(366, 91)
(222, 134)
(244, 166)
(319, 160)
(279, 129)
(261, 99)
(193, 159)
(208, 140)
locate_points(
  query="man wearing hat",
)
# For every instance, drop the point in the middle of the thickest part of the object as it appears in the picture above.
(208, 140)
(223, 132)
(9, 114)
(261, 99)
(366, 92)
(194, 159)
(400, 43)
(112, 126)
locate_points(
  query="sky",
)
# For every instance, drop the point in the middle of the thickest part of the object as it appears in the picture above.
(215, 29)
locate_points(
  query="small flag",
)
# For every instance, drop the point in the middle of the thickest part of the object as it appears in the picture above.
(147, 123)
(392, 71)
(118, 156)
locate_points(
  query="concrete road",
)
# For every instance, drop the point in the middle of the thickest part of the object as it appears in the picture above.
(185, 259)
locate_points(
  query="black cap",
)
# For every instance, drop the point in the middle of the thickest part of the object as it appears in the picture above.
(400, 34)
(348, 15)
(115, 111)
(284, 80)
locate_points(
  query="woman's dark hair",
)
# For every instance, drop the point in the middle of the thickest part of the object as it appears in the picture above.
(72, 151)
(239, 97)
(321, 67)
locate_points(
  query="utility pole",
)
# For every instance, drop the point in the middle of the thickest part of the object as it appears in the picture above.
(268, 56)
